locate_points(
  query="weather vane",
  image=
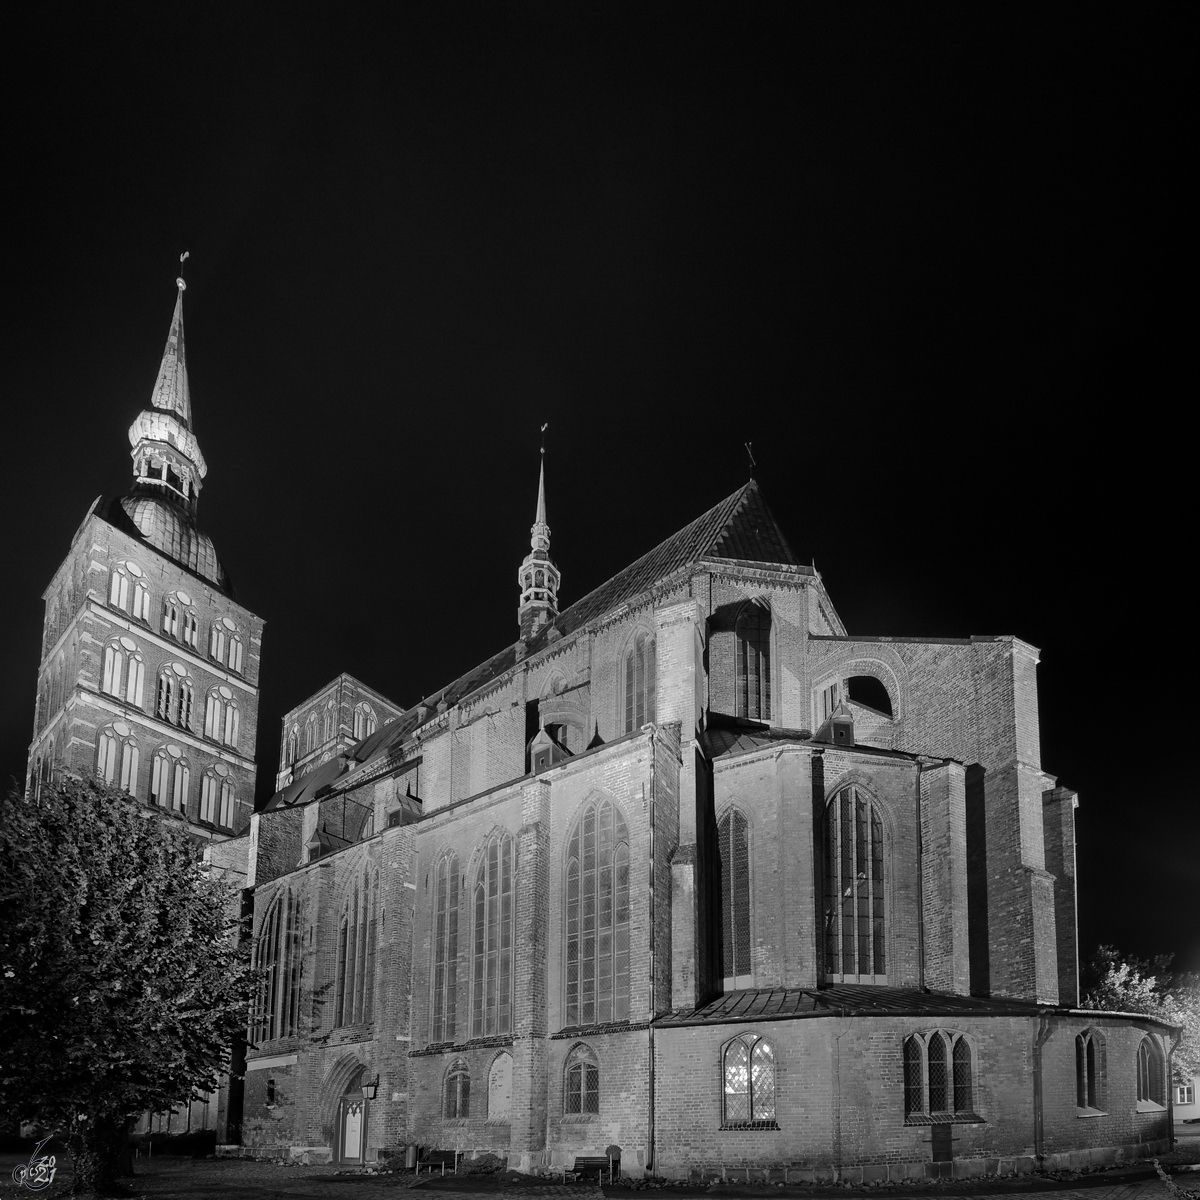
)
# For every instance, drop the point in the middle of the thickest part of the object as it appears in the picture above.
(750, 456)
(544, 428)
(182, 259)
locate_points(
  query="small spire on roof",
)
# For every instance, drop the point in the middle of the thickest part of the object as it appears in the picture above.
(538, 577)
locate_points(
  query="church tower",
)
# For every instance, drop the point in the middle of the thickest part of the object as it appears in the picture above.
(538, 577)
(149, 668)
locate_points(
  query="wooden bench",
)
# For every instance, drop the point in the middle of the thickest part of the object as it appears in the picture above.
(436, 1158)
(590, 1164)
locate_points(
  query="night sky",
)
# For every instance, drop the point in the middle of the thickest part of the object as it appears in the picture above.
(933, 262)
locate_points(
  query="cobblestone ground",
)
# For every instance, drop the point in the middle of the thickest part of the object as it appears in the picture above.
(232, 1179)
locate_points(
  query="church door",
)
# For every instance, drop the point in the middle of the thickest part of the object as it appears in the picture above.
(352, 1129)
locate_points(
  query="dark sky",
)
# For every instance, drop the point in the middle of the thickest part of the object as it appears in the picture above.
(932, 261)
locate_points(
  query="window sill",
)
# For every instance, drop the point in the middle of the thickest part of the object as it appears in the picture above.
(498, 1122)
(579, 1118)
(1083, 1113)
(749, 1126)
(456, 1122)
(947, 1118)
(1149, 1106)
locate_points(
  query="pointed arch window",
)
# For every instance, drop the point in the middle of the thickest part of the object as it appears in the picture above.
(365, 723)
(356, 951)
(221, 717)
(160, 778)
(217, 797)
(114, 669)
(1091, 1070)
(499, 1093)
(292, 747)
(107, 752)
(329, 723)
(734, 840)
(752, 642)
(1150, 1074)
(492, 975)
(119, 586)
(445, 948)
(456, 1092)
(581, 1082)
(939, 1085)
(181, 785)
(597, 917)
(310, 734)
(855, 915)
(141, 601)
(748, 1082)
(639, 682)
(277, 955)
(130, 756)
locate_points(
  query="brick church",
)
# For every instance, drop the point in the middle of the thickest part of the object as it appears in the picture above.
(685, 874)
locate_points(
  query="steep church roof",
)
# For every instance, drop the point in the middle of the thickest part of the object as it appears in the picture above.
(741, 528)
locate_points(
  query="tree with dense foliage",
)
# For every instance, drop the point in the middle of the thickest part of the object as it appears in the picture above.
(122, 982)
(1114, 983)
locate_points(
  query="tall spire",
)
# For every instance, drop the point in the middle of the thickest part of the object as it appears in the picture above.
(167, 462)
(538, 577)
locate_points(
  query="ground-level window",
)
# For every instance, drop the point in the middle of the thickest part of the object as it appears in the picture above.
(1090, 1069)
(457, 1091)
(1185, 1094)
(581, 1082)
(499, 1097)
(939, 1073)
(1150, 1073)
(748, 1073)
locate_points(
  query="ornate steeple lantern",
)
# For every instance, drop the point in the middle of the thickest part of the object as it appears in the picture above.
(538, 577)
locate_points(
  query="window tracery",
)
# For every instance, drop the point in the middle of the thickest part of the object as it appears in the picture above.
(491, 987)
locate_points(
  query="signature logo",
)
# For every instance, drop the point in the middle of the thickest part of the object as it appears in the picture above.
(38, 1173)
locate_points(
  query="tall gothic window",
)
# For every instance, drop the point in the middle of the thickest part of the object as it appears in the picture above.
(734, 838)
(327, 729)
(1090, 1069)
(581, 1081)
(1150, 1073)
(114, 669)
(752, 644)
(217, 796)
(499, 1095)
(277, 954)
(597, 917)
(310, 734)
(160, 778)
(938, 1076)
(181, 786)
(445, 948)
(639, 682)
(292, 748)
(124, 671)
(492, 977)
(221, 717)
(748, 1070)
(854, 887)
(356, 951)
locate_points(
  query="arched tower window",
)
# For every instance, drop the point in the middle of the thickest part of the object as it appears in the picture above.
(107, 752)
(492, 979)
(1150, 1074)
(581, 1081)
(938, 1076)
(456, 1092)
(160, 778)
(365, 723)
(753, 666)
(126, 582)
(217, 796)
(277, 953)
(114, 669)
(221, 717)
(597, 917)
(445, 948)
(130, 756)
(734, 839)
(330, 724)
(292, 746)
(748, 1072)
(310, 734)
(356, 951)
(639, 682)
(855, 847)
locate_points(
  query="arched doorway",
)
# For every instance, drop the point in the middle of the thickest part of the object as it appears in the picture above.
(351, 1126)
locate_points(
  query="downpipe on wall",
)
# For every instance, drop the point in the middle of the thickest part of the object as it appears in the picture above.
(1039, 1132)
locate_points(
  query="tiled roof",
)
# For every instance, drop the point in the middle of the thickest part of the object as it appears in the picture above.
(740, 528)
(851, 1000)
